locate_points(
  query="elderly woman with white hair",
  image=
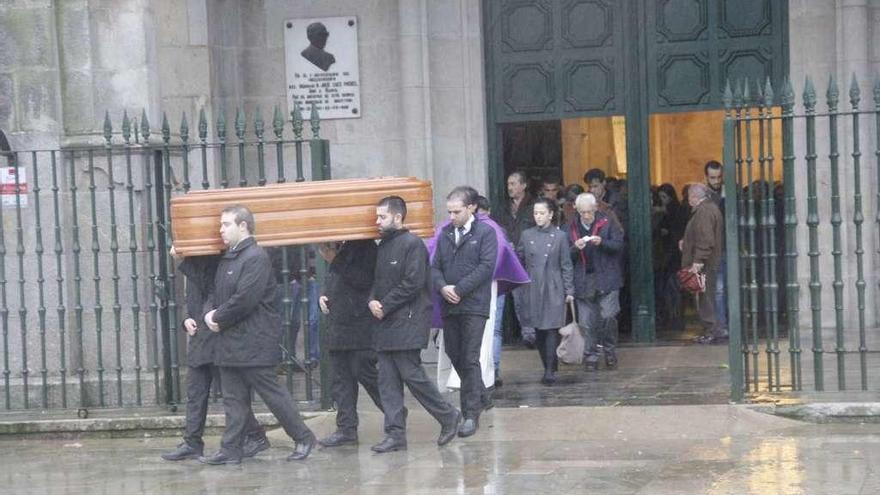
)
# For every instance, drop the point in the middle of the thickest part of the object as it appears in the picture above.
(597, 244)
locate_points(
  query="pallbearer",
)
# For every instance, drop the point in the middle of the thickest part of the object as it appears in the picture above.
(350, 339)
(200, 272)
(401, 304)
(248, 344)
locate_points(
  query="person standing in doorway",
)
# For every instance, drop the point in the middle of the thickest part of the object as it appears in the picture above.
(714, 179)
(609, 201)
(462, 270)
(199, 272)
(544, 250)
(350, 335)
(400, 302)
(248, 345)
(701, 253)
(515, 216)
(597, 252)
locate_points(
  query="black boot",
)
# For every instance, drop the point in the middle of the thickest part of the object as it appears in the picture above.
(389, 444)
(182, 452)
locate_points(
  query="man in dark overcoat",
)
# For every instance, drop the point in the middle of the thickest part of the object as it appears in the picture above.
(350, 333)
(401, 304)
(464, 262)
(516, 215)
(199, 272)
(248, 345)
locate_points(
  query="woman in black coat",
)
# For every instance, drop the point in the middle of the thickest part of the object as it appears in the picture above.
(671, 229)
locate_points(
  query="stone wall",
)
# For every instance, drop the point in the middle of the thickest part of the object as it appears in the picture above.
(837, 39)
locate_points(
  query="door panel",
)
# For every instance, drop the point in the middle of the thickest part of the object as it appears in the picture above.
(694, 46)
(555, 59)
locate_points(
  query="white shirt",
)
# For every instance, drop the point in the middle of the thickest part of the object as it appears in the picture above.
(460, 231)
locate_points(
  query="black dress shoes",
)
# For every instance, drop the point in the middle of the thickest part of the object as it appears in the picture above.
(253, 446)
(338, 438)
(468, 428)
(182, 452)
(220, 457)
(303, 449)
(389, 444)
(449, 430)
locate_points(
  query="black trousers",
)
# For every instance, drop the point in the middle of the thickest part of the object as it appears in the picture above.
(351, 367)
(397, 368)
(462, 338)
(546, 341)
(237, 385)
(198, 392)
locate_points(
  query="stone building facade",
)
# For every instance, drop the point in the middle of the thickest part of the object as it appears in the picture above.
(424, 75)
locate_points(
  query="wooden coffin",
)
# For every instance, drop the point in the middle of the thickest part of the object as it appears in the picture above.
(299, 213)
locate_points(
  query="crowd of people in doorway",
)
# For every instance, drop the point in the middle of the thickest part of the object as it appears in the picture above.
(563, 248)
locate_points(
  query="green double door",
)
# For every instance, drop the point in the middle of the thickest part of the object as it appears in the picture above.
(551, 60)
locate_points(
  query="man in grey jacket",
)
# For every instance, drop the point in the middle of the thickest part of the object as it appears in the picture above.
(462, 272)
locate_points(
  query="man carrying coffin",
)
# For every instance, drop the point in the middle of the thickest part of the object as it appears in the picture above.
(247, 349)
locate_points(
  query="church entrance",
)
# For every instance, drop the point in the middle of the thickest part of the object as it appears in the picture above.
(633, 88)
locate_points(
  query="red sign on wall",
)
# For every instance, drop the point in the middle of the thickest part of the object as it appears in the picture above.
(12, 179)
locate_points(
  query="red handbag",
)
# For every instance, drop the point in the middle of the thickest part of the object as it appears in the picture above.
(690, 281)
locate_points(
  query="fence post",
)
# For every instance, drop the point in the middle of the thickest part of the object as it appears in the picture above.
(813, 227)
(734, 322)
(858, 220)
(791, 221)
(319, 150)
(836, 220)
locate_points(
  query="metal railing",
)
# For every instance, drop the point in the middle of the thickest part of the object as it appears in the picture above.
(762, 251)
(85, 274)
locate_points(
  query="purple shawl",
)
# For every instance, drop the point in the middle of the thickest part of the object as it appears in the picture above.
(509, 272)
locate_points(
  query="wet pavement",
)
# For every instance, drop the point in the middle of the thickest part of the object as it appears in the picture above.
(715, 449)
(657, 375)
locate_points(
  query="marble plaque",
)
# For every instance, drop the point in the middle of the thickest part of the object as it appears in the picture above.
(322, 66)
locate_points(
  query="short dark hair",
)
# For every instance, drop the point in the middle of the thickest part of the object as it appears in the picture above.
(466, 194)
(551, 205)
(713, 164)
(242, 214)
(552, 178)
(395, 205)
(523, 177)
(594, 174)
(571, 192)
(483, 203)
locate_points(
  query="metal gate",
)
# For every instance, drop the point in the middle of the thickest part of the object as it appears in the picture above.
(88, 291)
(817, 200)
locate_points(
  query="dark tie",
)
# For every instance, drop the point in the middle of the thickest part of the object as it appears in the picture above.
(460, 235)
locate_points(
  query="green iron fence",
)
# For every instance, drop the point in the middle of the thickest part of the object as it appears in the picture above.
(822, 171)
(89, 307)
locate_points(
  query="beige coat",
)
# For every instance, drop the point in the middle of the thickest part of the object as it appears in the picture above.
(703, 239)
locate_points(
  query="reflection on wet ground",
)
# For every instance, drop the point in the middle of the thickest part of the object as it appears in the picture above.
(716, 449)
(662, 375)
